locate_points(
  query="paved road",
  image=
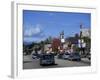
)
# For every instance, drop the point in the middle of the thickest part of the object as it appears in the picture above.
(30, 63)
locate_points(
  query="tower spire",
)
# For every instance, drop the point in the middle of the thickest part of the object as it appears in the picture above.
(62, 37)
(81, 26)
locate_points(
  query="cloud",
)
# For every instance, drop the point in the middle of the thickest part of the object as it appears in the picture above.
(33, 33)
(51, 14)
(33, 39)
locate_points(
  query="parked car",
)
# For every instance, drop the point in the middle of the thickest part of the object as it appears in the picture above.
(74, 56)
(60, 56)
(65, 55)
(89, 56)
(35, 56)
(47, 59)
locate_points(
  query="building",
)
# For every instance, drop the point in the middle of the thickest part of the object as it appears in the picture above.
(86, 32)
(62, 37)
(46, 47)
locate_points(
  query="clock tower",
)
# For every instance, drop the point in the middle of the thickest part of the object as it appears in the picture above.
(62, 38)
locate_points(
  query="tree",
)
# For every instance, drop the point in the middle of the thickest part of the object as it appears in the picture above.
(48, 40)
(42, 45)
(87, 40)
(55, 44)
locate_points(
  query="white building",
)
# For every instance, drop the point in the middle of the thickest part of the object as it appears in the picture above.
(47, 46)
(86, 32)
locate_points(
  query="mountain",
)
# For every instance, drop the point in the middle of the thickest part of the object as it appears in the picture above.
(27, 43)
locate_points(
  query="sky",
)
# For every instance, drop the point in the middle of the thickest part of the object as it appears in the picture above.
(39, 25)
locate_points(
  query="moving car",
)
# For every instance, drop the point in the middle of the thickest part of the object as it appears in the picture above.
(65, 55)
(47, 59)
(74, 56)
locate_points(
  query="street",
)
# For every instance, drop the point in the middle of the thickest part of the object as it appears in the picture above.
(29, 63)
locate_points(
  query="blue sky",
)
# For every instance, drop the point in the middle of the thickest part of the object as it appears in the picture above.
(39, 25)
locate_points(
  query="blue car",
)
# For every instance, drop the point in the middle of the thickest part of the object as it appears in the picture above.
(63, 56)
(35, 56)
(66, 56)
(47, 59)
(74, 56)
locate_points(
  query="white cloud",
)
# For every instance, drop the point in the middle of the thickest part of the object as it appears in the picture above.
(32, 31)
(31, 39)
